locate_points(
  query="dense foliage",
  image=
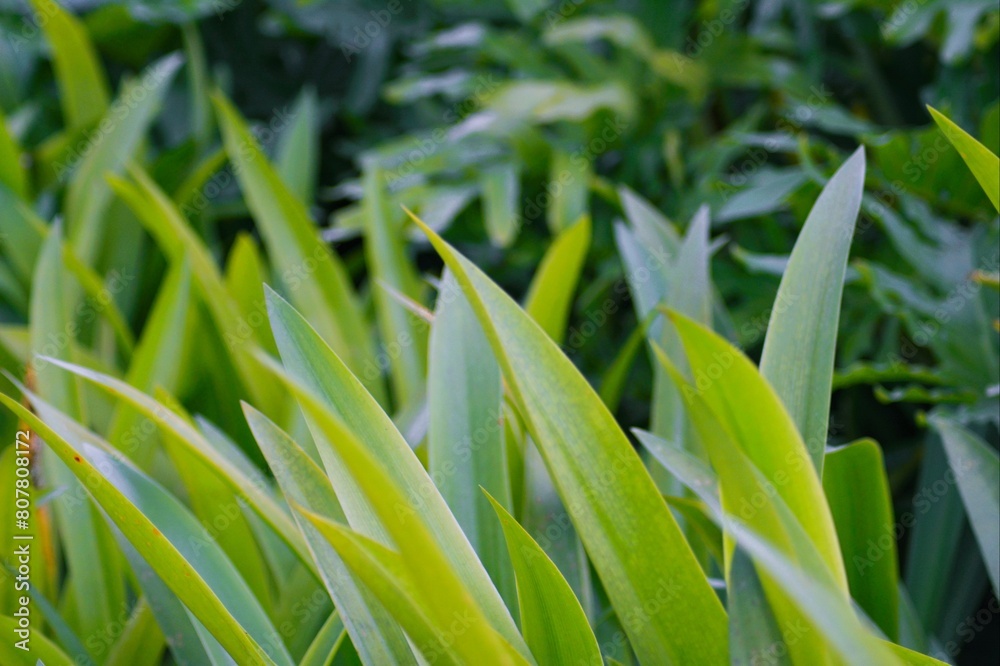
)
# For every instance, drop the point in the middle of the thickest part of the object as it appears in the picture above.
(588, 331)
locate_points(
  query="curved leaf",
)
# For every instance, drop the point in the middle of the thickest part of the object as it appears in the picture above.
(630, 535)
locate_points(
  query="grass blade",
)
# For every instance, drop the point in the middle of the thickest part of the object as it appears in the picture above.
(391, 270)
(88, 193)
(500, 186)
(250, 490)
(753, 415)
(297, 160)
(426, 566)
(325, 388)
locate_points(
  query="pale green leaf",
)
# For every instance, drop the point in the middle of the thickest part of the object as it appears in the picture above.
(465, 443)
(976, 467)
(121, 130)
(325, 387)
(801, 337)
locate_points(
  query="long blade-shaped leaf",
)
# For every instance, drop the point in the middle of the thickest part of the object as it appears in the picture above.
(801, 337)
(88, 193)
(550, 297)
(376, 637)
(82, 85)
(977, 469)
(747, 492)
(436, 583)
(465, 443)
(630, 535)
(178, 548)
(314, 277)
(554, 624)
(322, 383)
(858, 492)
(250, 490)
(753, 415)
(95, 580)
(391, 271)
(985, 166)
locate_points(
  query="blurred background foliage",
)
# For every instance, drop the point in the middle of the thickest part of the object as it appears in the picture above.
(470, 113)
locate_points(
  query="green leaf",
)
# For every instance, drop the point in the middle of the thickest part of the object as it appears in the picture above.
(325, 389)
(213, 502)
(313, 276)
(500, 187)
(820, 602)
(82, 85)
(857, 490)
(248, 489)
(391, 271)
(630, 535)
(801, 340)
(550, 296)
(985, 166)
(376, 637)
(427, 569)
(329, 640)
(178, 240)
(384, 572)
(976, 467)
(95, 578)
(689, 291)
(465, 443)
(746, 491)
(752, 415)
(141, 642)
(245, 276)
(297, 160)
(569, 174)
(88, 194)
(12, 172)
(754, 633)
(554, 624)
(155, 361)
(188, 640)
(178, 548)
(40, 649)
(616, 374)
